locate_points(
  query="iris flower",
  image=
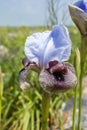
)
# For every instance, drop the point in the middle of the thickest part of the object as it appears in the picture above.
(78, 13)
(82, 5)
(46, 54)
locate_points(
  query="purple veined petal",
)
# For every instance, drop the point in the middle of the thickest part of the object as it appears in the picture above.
(35, 47)
(82, 5)
(58, 46)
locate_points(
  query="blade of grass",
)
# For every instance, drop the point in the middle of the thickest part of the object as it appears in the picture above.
(32, 120)
(60, 120)
(7, 122)
(26, 120)
(56, 100)
(59, 104)
(7, 109)
(38, 120)
(38, 95)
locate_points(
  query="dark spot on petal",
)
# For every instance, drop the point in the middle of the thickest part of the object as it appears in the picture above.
(58, 76)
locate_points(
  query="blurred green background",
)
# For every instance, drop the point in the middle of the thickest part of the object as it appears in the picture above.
(22, 110)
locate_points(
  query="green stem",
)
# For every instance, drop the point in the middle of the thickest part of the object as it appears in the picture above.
(74, 109)
(77, 67)
(83, 57)
(80, 95)
(45, 109)
(80, 103)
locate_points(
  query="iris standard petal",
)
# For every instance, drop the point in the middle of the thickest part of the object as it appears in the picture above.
(58, 45)
(35, 46)
(47, 46)
(82, 5)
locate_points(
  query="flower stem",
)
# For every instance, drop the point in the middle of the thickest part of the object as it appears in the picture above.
(80, 103)
(83, 52)
(74, 109)
(77, 67)
(80, 98)
(45, 109)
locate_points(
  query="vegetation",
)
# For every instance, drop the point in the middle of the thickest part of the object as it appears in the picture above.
(21, 110)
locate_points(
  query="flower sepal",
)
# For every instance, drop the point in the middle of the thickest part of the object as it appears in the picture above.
(78, 13)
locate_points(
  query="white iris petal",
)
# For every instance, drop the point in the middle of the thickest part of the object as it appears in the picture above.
(48, 46)
(35, 47)
(59, 45)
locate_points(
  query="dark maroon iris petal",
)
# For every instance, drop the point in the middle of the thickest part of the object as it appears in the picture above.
(25, 62)
(58, 70)
(57, 67)
(24, 83)
(52, 63)
(59, 77)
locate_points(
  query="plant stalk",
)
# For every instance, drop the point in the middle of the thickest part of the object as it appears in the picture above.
(83, 52)
(45, 109)
(80, 103)
(77, 68)
(74, 109)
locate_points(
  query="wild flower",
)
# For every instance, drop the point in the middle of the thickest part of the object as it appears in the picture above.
(46, 54)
